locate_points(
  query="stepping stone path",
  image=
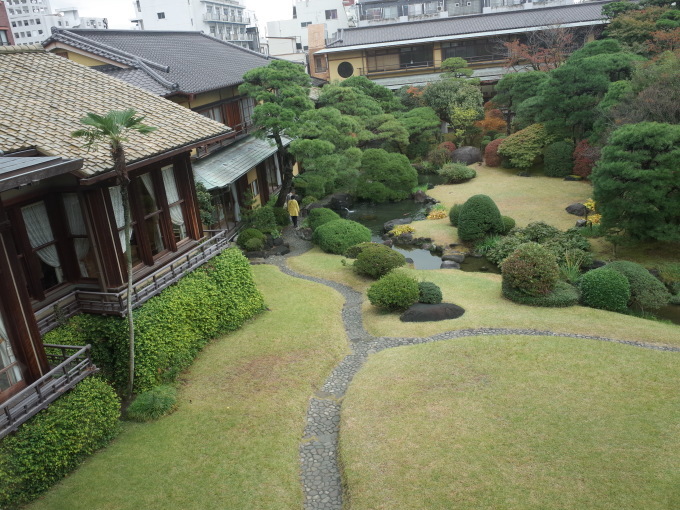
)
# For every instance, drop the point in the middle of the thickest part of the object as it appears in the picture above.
(320, 473)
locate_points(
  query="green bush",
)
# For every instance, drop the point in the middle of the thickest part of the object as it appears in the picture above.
(557, 159)
(562, 296)
(171, 328)
(479, 216)
(455, 173)
(51, 444)
(254, 244)
(605, 289)
(454, 214)
(378, 260)
(321, 215)
(508, 224)
(338, 235)
(483, 246)
(524, 147)
(281, 216)
(153, 404)
(385, 176)
(248, 234)
(394, 291)
(531, 269)
(263, 219)
(309, 199)
(429, 293)
(354, 251)
(646, 292)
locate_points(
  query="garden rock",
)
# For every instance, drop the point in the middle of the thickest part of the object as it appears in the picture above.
(467, 155)
(449, 264)
(389, 225)
(421, 312)
(420, 197)
(453, 256)
(577, 209)
(581, 223)
(341, 201)
(305, 233)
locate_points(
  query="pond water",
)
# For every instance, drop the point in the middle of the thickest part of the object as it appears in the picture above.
(669, 313)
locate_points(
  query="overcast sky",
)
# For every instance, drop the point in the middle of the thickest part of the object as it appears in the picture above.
(120, 12)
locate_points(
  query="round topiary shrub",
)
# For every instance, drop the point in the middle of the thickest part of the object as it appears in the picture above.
(479, 216)
(394, 291)
(531, 269)
(151, 405)
(309, 199)
(254, 244)
(455, 173)
(557, 159)
(508, 224)
(282, 217)
(338, 235)
(646, 292)
(454, 214)
(430, 293)
(321, 215)
(491, 156)
(562, 296)
(378, 260)
(248, 234)
(354, 251)
(605, 289)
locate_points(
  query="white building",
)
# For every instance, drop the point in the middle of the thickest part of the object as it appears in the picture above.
(224, 19)
(31, 21)
(309, 12)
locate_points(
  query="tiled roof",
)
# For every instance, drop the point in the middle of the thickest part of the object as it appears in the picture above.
(189, 62)
(44, 96)
(226, 166)
(585, 13)
(18, 171)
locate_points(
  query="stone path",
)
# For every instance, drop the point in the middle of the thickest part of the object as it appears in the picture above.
(320, 471)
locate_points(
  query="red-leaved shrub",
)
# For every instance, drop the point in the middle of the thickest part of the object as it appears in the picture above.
(585, 157)
(491, 156)
(449, 146)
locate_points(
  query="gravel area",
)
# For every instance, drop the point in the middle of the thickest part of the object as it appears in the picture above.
(320, 473)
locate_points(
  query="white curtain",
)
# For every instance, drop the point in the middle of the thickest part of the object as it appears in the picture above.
(40, 233)
(76, 226)
(6, 354)
(148, 184)
(119, 214)
(237, 208)
(172, 195)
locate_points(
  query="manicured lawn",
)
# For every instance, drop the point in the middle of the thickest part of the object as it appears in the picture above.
(514, 423)
(234, 441)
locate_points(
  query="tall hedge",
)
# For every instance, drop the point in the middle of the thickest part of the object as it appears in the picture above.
(171, 328)
(51, 444)
(479, 216)
(557, 159)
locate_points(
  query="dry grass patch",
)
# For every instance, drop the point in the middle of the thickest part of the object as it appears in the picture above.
(516, 423)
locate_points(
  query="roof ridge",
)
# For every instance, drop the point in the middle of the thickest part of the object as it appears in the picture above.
(153, 74)
(232, 45)
(24, 48)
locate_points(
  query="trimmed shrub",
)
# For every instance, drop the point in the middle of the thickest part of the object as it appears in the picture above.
(321, 215)
(508, 224)
(585, 156)
(385, 176)
(646, 292)
(479, 217)
(254, 244)
(429, 293)
(449, 146)
(338, 235)
(531, 269)
(248, 234)
(263, 219)
(605, 289)
(394, 291)
(55, 441)
(454, 214)
(562, 296)
(524, 147)
(455, 173)
(376, 261)
(354, 251)
(281, 216)
(153, 404)
(309, 199)
(557, 159)
(171, 328)
(439, 156)
(491, 156)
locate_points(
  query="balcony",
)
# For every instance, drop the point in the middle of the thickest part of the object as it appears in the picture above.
(222, 18)
(73, 364)
(233, 37)
(80, 301)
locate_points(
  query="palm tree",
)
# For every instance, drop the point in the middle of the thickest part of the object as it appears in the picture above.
(113, 128)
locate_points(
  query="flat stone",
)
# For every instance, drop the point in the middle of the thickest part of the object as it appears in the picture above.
(421, 312)
(449, 264)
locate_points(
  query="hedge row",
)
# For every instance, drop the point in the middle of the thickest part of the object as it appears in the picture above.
(55, 441)
(171, 328)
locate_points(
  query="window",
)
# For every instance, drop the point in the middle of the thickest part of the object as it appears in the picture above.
(77, 234)
(254, 189)
(161, 15)
(175, 203)
(474, 50)
(332, 14)
(138, 5)
(149, 212)
(320, 64)
(305, 24)
(10, 373)
(14, 24)
(40, 255)
(400, 58)
(4, 40)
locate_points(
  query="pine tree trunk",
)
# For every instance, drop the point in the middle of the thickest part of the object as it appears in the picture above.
(287, 167)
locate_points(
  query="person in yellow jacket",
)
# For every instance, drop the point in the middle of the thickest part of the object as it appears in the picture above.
(293, 209)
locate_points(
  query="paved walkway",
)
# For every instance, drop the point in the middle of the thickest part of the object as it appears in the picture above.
(320, 472)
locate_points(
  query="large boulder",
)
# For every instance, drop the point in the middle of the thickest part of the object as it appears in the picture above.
(389, 225)
(467, 154)
(449, 264)
(577, 209)
(341, 202)
(421, 312)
